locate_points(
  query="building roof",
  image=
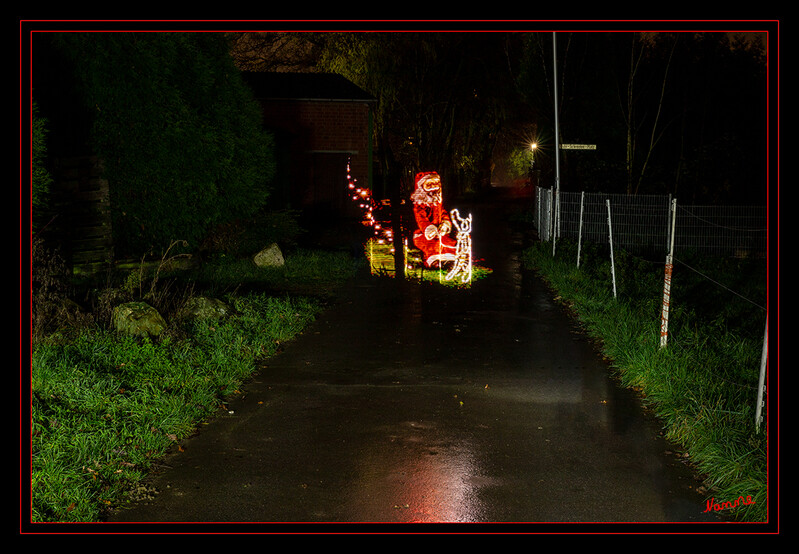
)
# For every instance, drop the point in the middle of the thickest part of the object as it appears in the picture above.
(305, 86)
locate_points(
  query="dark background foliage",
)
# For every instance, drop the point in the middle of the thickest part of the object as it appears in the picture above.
(694, 106)
(177, 130)
(182, 143)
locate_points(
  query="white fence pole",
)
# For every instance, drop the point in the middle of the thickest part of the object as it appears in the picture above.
(553, 217)
(668, 223)
(580, 228)
(761, 386)
(610, 238)
(538, 219)
(664, 315)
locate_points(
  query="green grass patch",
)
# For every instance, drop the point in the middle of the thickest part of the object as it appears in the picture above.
(703, 384)
(106, 407)
(311, 272)
(380, 257)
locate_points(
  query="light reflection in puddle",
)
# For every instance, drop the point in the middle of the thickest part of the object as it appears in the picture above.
(415, 478)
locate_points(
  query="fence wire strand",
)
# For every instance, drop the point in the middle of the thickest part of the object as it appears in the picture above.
(642, 223)
(704, 276)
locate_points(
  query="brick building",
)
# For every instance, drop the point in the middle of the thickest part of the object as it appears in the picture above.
(321, 122)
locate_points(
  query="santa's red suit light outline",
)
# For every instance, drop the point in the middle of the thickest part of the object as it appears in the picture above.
(433, 221)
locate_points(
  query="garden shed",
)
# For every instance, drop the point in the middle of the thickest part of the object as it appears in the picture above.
(321, 122)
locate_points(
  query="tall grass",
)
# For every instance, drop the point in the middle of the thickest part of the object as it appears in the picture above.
(306, 271)
(702, 385)
(106, 407)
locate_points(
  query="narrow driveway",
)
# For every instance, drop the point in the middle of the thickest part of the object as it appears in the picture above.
(420, 403)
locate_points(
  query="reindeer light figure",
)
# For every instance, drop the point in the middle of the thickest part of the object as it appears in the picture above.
(463, 249)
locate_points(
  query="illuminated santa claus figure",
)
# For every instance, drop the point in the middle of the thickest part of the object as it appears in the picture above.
(433, 221)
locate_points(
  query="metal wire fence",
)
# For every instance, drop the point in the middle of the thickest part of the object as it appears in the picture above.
(643, 223)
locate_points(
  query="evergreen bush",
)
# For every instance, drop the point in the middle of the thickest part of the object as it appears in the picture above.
(178, 131)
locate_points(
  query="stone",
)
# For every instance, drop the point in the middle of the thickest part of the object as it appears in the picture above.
(203, 307)
(271, 256)
(138, 319)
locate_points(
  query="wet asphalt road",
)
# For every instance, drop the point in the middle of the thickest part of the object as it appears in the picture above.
(419, 403)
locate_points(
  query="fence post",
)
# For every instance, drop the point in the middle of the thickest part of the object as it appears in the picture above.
(553, 217)
(538, 206)
(580, 228)
(612, 262)
(664, 316)
(557, 213)
(668, 222)
(761, 385)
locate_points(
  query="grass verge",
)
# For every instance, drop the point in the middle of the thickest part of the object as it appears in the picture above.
(106, 407)
(703, 384)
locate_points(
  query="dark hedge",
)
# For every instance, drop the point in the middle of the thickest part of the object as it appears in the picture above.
(178, 131)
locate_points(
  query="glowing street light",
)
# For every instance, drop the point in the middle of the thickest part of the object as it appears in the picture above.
(533, 147)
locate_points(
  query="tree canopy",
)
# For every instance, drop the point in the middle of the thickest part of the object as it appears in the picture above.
(442, 97)
(679, 113)
(177, 130)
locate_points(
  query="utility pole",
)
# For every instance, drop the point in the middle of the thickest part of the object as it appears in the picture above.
(556, 202)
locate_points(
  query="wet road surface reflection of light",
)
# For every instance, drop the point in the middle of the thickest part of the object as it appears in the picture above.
(412, 477)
